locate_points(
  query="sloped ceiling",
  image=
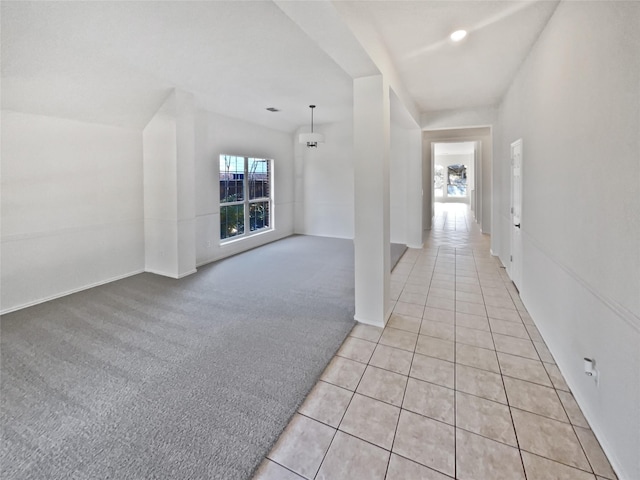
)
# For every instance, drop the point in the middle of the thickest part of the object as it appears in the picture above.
(438, 73)
(114, 62)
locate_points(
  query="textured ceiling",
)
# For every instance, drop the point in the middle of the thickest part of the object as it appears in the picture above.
(114, 62)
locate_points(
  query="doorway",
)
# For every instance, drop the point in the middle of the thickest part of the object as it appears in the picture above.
(479, 179)
(454, 167)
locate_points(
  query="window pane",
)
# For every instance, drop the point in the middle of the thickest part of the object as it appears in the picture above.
(259, 181)
(231, 178)
(438, 181)
(457, 184)
(259, 215)
(231, 221)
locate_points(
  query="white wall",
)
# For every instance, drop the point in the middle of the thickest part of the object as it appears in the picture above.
(71, 206)
(216, 135)
(415, 191)
(576, 104)
(398, 177)
(406, 185)
(325, 183)
(72, 198)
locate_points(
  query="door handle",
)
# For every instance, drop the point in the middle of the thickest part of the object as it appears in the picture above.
(517, 225)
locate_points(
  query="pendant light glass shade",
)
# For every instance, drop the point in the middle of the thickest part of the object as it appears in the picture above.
(311, 139)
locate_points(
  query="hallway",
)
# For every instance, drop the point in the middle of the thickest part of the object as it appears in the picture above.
(458, 385)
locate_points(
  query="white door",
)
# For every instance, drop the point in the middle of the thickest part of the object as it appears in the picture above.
(515, 266)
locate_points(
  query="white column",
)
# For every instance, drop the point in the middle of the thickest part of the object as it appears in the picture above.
(185, 166)
(371, 139)
(169, 198)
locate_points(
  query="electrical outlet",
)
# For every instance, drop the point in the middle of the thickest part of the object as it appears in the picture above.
(591, 371)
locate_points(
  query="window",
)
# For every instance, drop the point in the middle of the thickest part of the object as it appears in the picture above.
(438, 181)
(457, 181)
(245, 196)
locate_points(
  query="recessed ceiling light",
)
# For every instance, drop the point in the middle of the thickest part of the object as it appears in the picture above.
(273, 109)
(458, 35)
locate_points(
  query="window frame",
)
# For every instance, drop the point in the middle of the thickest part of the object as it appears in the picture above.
(247, 201)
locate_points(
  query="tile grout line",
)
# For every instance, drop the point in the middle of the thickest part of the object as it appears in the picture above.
(442, 247)
(404, 393)
(450, 388)
(515, 432)
(283, 466)
(575, 432)
(455, 371)
(450, 425)
(337, 429)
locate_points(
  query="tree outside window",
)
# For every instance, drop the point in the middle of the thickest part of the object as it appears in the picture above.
(457, 181)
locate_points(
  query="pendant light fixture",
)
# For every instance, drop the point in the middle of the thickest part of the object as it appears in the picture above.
(311, 139)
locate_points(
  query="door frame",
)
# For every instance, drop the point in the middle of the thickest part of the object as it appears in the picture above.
(485, 135)
(476, 165)
(515, 214)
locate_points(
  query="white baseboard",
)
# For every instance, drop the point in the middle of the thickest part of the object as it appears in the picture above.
(172, 275)
(69, 292)
(205, 262)
(161, 273)
(387, 316)
(367, 322)
(186, 274)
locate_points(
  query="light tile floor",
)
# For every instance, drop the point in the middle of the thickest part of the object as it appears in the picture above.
(458, 385)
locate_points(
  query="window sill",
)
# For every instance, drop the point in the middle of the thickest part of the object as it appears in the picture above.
(246, 237)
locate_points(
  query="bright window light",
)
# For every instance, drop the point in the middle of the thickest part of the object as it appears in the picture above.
(458, 35)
